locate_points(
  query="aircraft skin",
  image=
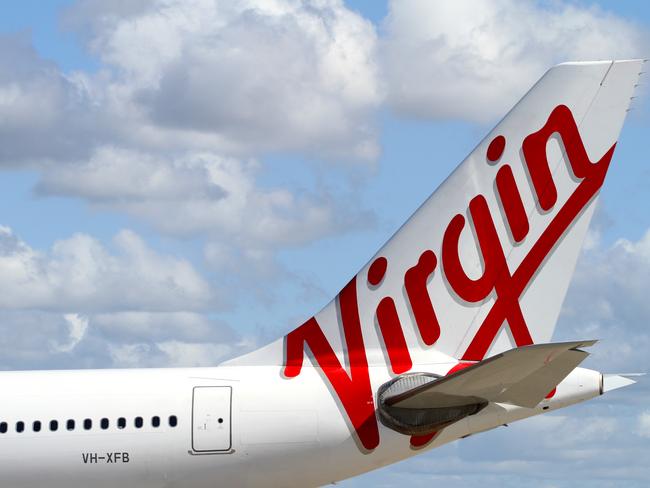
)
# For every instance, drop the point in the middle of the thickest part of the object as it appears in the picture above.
(469, 290)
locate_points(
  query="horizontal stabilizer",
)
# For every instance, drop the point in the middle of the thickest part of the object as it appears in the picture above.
(522, 376)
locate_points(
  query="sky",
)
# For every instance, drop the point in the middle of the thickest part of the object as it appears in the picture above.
(184, 181)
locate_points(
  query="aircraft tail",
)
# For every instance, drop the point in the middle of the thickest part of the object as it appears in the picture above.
(484, 264)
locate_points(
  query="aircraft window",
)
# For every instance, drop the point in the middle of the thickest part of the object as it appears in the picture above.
(54, 425)
(121, 423)
(138, 422)
(173, 421)
(104, 423)
(155, 421)
(88, 424)
(37, 426)
(70, 424)
(3, 427)
(20, 426)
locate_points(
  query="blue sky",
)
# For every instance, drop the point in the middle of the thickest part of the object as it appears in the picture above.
(107, 263)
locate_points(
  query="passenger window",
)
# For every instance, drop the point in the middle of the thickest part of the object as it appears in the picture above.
(121, 423)
(155, 421)
(88, 424)
(37, 426)
(104, 423)
(138, 422)
(69, 424)
(20, 426)
(173, 421)
(3, 427)
(54, 425)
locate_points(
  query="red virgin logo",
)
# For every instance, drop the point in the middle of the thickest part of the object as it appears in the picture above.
(352, 386)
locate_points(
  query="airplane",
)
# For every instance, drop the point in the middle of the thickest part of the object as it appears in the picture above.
(445, 333)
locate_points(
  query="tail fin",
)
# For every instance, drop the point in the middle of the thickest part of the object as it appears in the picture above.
(484, 264)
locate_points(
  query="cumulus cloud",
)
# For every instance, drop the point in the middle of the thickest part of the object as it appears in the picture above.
(77, 326)
(201, 193)
(188, 98)
(472, 59)
(79, 274)
(607, 301)
(239, 76)
(44, 114)
(84, 304)
(32, 339)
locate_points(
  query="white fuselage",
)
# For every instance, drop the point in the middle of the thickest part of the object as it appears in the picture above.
(230, 426)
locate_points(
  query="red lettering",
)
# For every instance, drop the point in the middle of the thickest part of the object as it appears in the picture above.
(353, 390)
(418, 441)
(593, 174)
(377, 271)
(495, 277)
(512, 204)
(495, 149)
(393, 335)
(471, 290)
(415, 282)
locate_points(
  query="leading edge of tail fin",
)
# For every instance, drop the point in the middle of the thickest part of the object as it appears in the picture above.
(484, 264)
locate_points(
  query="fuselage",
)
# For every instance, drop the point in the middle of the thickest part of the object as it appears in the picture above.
(204, 428)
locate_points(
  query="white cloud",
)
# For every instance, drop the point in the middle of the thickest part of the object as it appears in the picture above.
(80, 275)
(202, 193)
(82, 304)
(473, 59)
(77, 326)
(239, 76)
(44, 114)
(186, 93)
(31, 339)
(607, 300)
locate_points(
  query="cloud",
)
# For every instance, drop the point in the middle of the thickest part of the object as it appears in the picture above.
(80, 275)
(472, 59)
(77, 326)
(83, 304)
(189, 97)
(44, 114)
(238, 77)
(200, 193)
(607, 301)
(32, 339)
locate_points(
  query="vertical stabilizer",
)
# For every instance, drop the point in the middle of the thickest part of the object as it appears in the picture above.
(484, 264)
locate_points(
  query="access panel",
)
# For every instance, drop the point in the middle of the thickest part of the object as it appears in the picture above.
(211, 412)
